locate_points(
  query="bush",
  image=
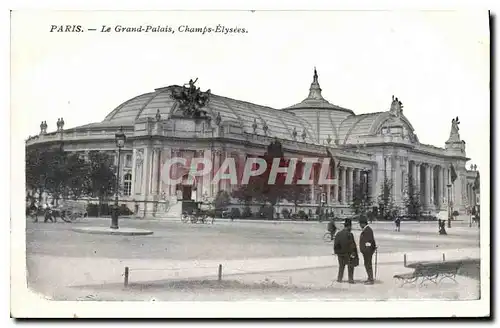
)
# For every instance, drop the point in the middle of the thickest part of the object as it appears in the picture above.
(302, 215)
(222, 199)
(247, 212)
(235, 213)
(285, 213)
(267, 212)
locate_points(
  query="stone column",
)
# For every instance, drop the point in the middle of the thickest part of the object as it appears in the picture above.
(134, 179)
(427, 185)
(373, 182)
(146, 171)
(343, 186)
(446, 182)
(397, 183)
(166, 189)
(328, 194)
(335, 191)
(173, 173)
(388, 167)
(431, 185)
(199, 179)
(313, 198)
(207, 178)
(418, 180)
(351, 183)
(414, 174)
(370, 184)
(154, 173)
(217, 164)
(442, 187)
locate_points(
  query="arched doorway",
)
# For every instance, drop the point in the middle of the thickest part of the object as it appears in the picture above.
(186, 190)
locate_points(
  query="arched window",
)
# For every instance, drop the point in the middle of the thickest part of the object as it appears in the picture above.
(127, 184)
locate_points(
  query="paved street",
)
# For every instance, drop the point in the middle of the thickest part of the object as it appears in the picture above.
(289, 259)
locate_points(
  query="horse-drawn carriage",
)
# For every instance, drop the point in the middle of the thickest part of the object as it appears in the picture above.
(202, 213)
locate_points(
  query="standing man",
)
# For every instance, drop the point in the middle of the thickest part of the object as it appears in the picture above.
(346, 251)
(367, 247)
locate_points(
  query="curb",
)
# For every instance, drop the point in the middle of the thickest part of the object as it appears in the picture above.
(109, 231)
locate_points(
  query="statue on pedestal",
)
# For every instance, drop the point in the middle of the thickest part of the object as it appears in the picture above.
(454, 135)
(396, 106)
(191, 99)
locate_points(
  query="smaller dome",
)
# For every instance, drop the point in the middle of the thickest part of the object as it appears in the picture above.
(315, 100)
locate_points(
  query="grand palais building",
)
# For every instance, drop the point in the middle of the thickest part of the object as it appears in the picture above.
(366, 148)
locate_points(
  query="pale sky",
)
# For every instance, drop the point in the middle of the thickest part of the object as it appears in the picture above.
(436, 63)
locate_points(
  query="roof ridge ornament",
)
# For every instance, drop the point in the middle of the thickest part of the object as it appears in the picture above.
(315, 89)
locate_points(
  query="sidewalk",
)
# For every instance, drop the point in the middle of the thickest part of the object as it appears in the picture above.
(86, 271)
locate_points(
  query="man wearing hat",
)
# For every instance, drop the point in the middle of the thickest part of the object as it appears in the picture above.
(367, 247)
(346, 251)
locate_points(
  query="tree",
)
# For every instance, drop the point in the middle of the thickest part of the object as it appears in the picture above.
(386, 201)
(47, 171)
(79, 169)
(222, 200)
(296, 193)
(101, 179)
(35, 172)
(412, 199)
(258, 188)
(360, 200)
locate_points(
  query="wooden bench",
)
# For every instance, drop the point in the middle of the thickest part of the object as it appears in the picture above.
(432, 271)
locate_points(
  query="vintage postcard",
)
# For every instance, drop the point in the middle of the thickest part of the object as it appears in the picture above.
(250, 164)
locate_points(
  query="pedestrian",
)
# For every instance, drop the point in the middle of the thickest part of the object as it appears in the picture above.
(367, 247)
(346, 251)
(398, 224)
(47, 213)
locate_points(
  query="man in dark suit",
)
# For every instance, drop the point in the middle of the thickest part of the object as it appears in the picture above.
(346, 251)
(367, 247)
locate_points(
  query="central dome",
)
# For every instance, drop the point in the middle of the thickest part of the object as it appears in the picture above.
(315, 100)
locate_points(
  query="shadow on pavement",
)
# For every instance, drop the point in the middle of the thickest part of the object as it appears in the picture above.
(203, 285)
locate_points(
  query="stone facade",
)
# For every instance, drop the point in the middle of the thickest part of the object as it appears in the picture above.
(366, 149)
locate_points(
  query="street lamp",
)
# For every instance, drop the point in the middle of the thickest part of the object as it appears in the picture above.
(120, 143)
